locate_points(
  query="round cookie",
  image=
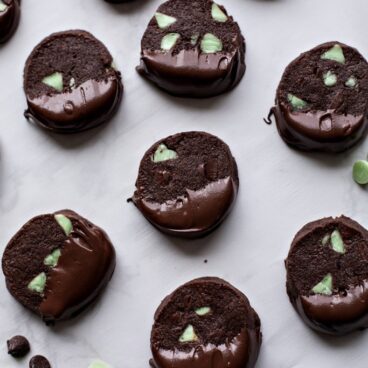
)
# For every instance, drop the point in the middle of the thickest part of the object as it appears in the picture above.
(70, 83)
(57, 264)
(9, 18)
(187, 184)
(321, 102)
(205, 323)
(327, 275)
(193, 49)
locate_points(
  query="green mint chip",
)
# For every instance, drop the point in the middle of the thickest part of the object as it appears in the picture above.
(351, 82)
(52, 259)
(360, 172)
(296, 102)
(55, 81)
(163, 20)
(210, 44)
(325, 239)
(64, 223)
(217, 14)
(335, 53)
(203, 311)
(329, 79)
(162, 153)
(38, 283)
(337, 242)
(325, 286)
(99, 364)
(169, 41)
(3, 6)
(188, 335)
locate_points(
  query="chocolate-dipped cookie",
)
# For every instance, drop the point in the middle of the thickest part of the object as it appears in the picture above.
(9, 18)
(327, 275)
(205, 323)
(70, 83)
(193, 49)
(187, 184)
(321, 102)
(57, 264)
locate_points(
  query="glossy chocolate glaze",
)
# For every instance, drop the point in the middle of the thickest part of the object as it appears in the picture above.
(84, 107)
(320, 130)
(85, 266)
(191, 73)
(337, 314)
(241, 352)
(9, 19)
(194, 214)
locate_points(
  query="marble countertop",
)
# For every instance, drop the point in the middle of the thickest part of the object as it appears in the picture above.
(94, 173)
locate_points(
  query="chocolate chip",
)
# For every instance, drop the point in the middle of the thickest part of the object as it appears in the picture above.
(38, 361)
(18, 346)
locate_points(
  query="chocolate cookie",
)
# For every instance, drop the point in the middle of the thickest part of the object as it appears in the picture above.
(187, 184)
(57, 264)
(70, 83)
(327, 275)
(9, 18)
(321, 102)
(205, 323)
(193, 49)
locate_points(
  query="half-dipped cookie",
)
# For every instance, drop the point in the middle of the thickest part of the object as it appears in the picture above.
(57, 264)
(322, 99)
(193, 49)
(187, 184)
(9, 18)
(205, 323)
(327, 275)
(70, 83)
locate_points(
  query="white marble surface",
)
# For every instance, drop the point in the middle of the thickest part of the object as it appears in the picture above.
(93, 173)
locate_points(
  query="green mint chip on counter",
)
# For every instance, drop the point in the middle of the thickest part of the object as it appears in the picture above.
(99, 364)
(360, 172)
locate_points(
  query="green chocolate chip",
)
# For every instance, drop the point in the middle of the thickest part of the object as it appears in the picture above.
(52, 259)
(325, 239)
(169, 41)
(337, 242)
(98, 364)
(38, 283)
(203, 311)
(351, 82)
(210, 44)
(65, 223)
(335, 54)
(329, 79)
(3, 6)
(188, 335)
(194, 39)
(324, 287)
(217, 14)
(163, 20)
(296, 102)
(360, 172)
(55, 81)
(163, 154)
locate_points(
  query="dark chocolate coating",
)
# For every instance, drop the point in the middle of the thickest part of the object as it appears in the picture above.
(84, 268)
(18, 346)
(346, 309)
(39, 361)
(94, 97)
(9, 19)
(185, 70)
(229, 336)
(191, 195)
(336, 116)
